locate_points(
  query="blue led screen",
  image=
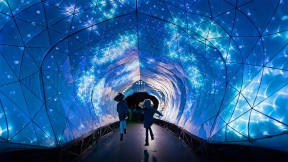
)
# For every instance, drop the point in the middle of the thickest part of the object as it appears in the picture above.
(217, 67)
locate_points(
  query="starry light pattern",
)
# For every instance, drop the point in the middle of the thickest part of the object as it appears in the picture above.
(219, 69)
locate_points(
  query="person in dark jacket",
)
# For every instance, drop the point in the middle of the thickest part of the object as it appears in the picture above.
(123, 110)
(148, 111)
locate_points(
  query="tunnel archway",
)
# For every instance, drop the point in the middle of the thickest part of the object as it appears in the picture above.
(134, 99)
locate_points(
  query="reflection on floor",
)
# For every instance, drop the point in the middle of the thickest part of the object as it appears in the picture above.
(165, 148)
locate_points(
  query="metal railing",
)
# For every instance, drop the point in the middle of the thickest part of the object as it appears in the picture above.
(70, 151)
(75, 149)
(196, 144)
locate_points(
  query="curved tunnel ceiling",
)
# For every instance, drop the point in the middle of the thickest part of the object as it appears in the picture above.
(221, 67)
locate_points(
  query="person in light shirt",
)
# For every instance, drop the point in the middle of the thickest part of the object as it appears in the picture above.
(148, 110)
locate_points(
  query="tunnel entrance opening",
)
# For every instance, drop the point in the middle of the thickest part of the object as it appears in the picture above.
(133, 103)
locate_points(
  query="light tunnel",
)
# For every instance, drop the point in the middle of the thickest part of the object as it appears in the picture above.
(218, 68)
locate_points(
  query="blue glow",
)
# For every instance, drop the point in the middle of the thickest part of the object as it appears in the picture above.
(218, 70)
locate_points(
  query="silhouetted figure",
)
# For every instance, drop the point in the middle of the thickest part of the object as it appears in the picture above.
(146, 156)
(123, 110)
(148, 111)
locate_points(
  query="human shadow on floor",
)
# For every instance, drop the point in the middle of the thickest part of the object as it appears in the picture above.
(146, 157)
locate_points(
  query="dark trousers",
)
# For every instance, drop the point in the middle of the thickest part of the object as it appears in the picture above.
(151, 134)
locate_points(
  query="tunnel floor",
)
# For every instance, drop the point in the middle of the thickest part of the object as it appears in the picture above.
(164, 148)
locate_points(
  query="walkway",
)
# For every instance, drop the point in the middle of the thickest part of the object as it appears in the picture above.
(165, 148)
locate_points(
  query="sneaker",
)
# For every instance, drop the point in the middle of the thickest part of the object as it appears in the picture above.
(146, 144)
(121, 137)
(125, 131)
(152, 138)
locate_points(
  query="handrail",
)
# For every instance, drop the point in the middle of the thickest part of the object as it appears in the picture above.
(196, 144)
(217, 152)
(70, 151)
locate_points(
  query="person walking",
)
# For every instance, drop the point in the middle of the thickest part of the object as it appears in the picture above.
(148, 110)
(123, 110)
